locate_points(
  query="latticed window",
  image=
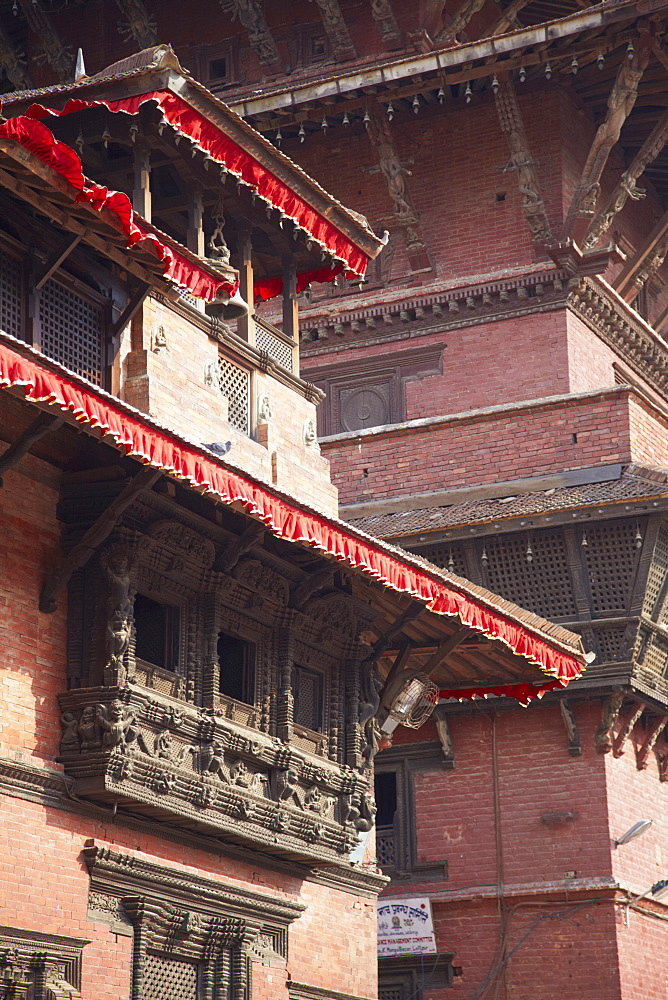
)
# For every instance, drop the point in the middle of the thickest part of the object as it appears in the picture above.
(11, 295)
(277, 349)
(71, 330)
(235, 385)
(450, 557)
(656, 577)
(533, 572)
(611, 555)
(307, 687)
(165, 979)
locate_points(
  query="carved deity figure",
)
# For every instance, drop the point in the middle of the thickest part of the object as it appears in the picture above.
(218, 248)
(317, 801)
(311, 435)
(360, 811)
(264, 410)
(70, 728)
(287, 786)
(118, 565)
(116, 724)
(240, 774)
(89, 730)
(369, 704)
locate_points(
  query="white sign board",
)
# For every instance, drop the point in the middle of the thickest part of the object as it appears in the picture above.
(405, 927)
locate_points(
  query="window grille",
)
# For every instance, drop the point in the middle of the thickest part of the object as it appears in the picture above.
(11, 295)
(277, 349)
(450, 557)
(610, 555)
(165, 979)
(71, 330)
(542, 585)
(610, 643)
(385, 852)
(657, 573)
(391, 993)
(656, 657)
(235, 385)
(307, 687)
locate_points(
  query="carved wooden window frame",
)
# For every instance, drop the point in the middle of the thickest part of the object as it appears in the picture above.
(40, 965)
(393, 371)
(405, 762)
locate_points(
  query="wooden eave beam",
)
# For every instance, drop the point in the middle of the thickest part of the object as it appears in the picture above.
(515, 43)
(79, 555)
(313, 583)
(459, 20)
(60, 256)
(40, 426)
(412, 612)
(133, 306)
(238, 547)
(445, 649)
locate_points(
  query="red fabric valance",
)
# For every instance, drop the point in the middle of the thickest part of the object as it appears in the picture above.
(164, 450)
(38, 139)
(241, 164)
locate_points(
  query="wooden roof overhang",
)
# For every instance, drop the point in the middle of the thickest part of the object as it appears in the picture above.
(200, 139)
(30, 172)
(472, 641)
(597, 38)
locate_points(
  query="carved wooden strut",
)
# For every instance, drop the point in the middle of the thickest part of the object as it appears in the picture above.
(337, 29)
(620, 104)
(522, 162)
(251, 17)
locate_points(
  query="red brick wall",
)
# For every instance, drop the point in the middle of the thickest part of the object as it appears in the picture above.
(484, 448)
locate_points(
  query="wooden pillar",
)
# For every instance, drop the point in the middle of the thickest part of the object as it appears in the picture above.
(195, 239)
(245, 325)
(141, 192)
(291, 309)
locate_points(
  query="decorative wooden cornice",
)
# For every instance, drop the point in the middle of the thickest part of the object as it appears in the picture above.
(329, 331)
(623, 330)
(521, 160)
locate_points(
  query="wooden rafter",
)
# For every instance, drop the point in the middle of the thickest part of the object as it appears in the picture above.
(432, 20)
(335, 25)
(40, 426)
(621, 99)
(521, 161)
(627, 187)
(636, 270)
(79, 555)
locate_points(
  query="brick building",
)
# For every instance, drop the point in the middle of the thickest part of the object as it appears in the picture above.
(197, 654)
(495, 401)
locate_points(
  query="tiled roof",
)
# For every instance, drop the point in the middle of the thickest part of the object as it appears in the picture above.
(636, 482)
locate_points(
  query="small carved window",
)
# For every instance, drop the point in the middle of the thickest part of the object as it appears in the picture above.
(156, 632)
(307, 687)
(236, 661)
(385, 793)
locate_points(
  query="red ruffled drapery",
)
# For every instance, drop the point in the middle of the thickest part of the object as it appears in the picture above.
(239, 162)
(38, 139)
(285, 519)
